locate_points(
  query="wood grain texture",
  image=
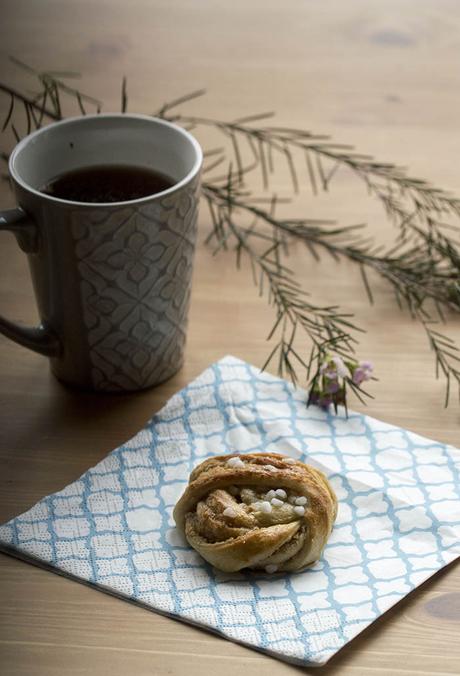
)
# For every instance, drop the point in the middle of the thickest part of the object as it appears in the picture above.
(379, 75)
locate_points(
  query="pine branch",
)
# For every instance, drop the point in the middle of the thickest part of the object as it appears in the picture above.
(325, 326)
(387, 182)
(422, 266)
(413, 277)
(32, 102)
(447, 355)
(46, 104)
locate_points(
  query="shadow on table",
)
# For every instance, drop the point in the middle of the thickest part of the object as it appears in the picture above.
(50, 434)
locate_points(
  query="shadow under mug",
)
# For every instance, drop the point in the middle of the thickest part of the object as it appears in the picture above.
(112, 281)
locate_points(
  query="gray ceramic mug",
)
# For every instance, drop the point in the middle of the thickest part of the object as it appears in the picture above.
(112, 281)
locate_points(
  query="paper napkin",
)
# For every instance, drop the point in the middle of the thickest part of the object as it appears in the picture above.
(398, 520)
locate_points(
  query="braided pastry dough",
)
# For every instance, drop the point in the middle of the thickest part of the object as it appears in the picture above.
(259, 511)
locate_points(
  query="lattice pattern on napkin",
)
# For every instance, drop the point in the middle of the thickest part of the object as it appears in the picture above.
(398, 520)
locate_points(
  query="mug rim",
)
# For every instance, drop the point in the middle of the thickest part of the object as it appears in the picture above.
(80, 118)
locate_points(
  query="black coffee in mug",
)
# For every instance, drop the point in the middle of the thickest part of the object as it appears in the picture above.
(107, 183)
(111, 261)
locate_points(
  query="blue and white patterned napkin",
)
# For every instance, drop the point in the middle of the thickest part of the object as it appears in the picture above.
(398, 520)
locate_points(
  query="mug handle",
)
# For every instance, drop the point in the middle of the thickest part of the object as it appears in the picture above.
(41, 338)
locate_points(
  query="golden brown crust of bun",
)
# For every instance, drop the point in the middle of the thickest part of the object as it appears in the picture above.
(254, 533)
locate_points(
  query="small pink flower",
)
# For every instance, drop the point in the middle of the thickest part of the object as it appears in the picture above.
(362, 372)
(368, 369)
(342, 370)
(332, 387)
(328, 369)
(330, 383)
(359, 376)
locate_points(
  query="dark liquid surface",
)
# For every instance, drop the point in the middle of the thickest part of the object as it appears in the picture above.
(107, 183)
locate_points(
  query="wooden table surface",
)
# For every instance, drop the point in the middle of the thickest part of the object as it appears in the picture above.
(383, 76)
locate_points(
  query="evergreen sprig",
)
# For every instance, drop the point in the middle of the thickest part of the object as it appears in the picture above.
(422, 265)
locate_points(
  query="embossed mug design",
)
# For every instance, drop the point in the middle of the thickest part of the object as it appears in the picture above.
(112, 281)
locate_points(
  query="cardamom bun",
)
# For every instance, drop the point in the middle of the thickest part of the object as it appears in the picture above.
(259, 511)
